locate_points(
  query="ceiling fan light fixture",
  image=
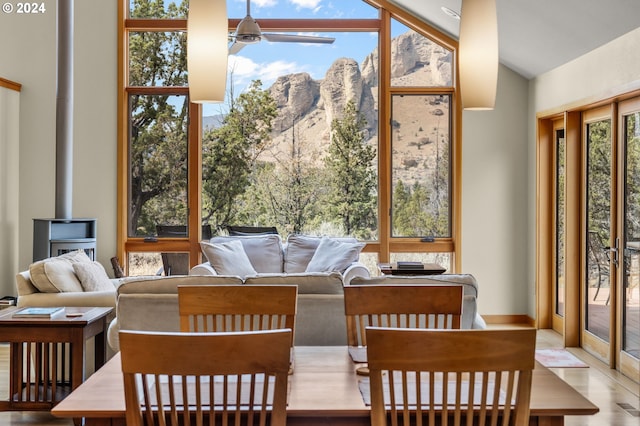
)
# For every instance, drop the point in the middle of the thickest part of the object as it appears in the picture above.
(207, 48)
(248, 31)
(478, 56)
(450, 12)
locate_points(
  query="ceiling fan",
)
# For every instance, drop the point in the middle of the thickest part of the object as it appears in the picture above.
(248, 32)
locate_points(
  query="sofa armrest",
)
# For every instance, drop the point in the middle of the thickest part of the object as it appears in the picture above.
(24, 285)
(356, 269)
(203, 269)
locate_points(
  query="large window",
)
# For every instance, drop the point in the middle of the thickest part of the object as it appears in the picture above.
(324, 139)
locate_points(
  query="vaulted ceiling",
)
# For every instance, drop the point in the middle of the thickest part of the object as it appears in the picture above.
(536, 36)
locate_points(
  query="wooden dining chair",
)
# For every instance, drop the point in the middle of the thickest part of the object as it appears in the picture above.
(426, 376)
(402, 306)
(207, 308)
(174, 378)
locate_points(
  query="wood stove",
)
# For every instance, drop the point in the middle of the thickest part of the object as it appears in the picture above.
(53, 237)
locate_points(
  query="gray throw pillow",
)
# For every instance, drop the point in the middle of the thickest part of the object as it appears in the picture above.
(334, 255)
(264, 251)
(301, 248)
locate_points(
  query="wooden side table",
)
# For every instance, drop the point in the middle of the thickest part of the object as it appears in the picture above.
(427, 269)
(47, 355)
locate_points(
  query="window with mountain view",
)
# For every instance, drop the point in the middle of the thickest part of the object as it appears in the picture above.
(298, 142)
(420, 135)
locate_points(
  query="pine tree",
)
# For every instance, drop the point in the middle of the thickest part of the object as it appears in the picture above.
(230, 153)
(158, 144)
(352, 184)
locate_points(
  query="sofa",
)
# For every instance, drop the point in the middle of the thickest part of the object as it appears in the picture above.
(151, 304)
(318, 266)
(71, 279)
(470, 316)
(266, 255)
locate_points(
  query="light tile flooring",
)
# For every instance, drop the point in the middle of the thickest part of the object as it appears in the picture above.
(617, 397)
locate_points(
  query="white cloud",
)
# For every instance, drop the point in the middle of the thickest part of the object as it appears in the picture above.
(263, 3)
(307, 4)
(245, 70)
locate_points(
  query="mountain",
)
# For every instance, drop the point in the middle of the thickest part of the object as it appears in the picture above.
(307, 106)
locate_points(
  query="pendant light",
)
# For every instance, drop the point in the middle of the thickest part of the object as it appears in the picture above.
(207, 50)
(478, 54)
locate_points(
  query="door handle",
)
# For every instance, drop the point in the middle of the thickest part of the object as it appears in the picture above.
(615, 252)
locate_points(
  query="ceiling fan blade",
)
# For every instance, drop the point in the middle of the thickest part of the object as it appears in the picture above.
(235, 48)
(293, 38)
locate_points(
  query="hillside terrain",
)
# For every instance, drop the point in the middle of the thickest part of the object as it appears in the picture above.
(307, 106)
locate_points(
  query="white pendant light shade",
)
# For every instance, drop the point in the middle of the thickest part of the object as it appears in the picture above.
(478, 54)
(207, 49)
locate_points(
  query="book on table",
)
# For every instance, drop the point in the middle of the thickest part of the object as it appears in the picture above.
(38, 312)
(410, 265)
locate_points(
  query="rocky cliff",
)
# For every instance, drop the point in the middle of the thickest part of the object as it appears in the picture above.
(307, 106)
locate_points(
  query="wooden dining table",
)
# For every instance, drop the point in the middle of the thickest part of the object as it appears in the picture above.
(323, 390)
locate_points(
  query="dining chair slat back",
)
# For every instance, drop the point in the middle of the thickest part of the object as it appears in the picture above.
(424, 376)
(178, 378)
(209, 308)
(402, 306)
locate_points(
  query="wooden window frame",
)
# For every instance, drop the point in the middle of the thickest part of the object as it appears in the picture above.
(385, 244)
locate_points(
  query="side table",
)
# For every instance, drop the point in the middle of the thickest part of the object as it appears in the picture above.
(47, 355)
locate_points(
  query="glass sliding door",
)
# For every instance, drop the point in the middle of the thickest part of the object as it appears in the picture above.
(560, 186)
(629, 348)
(598, 273)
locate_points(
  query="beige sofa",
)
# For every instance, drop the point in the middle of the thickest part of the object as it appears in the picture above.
(151, 303)
(71, 279)
(267, 255)
(30, 295)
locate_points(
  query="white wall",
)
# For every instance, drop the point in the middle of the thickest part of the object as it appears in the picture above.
(27, 55)
(9, 158)
(494, 199)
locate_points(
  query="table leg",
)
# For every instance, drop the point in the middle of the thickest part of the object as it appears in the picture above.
(77, 360)
(100, 347)
(546, 421)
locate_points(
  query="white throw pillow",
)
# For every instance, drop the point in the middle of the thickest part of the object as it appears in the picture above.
(228, 258)
(264, 251)
(92, 276)
(56, 274)
(334, 255)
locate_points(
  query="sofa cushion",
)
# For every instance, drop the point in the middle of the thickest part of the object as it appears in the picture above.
(265, 252)
(301, 248)
(307, 282)
(92, 276)
(334, 255)
(228, 258)
(56, 274)
(169, 284)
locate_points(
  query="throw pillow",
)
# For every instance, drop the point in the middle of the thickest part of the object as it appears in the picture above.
(334, 255)
(228, 258)
(301, 248)
(54, 275)
(264, 251)
(92, 276)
